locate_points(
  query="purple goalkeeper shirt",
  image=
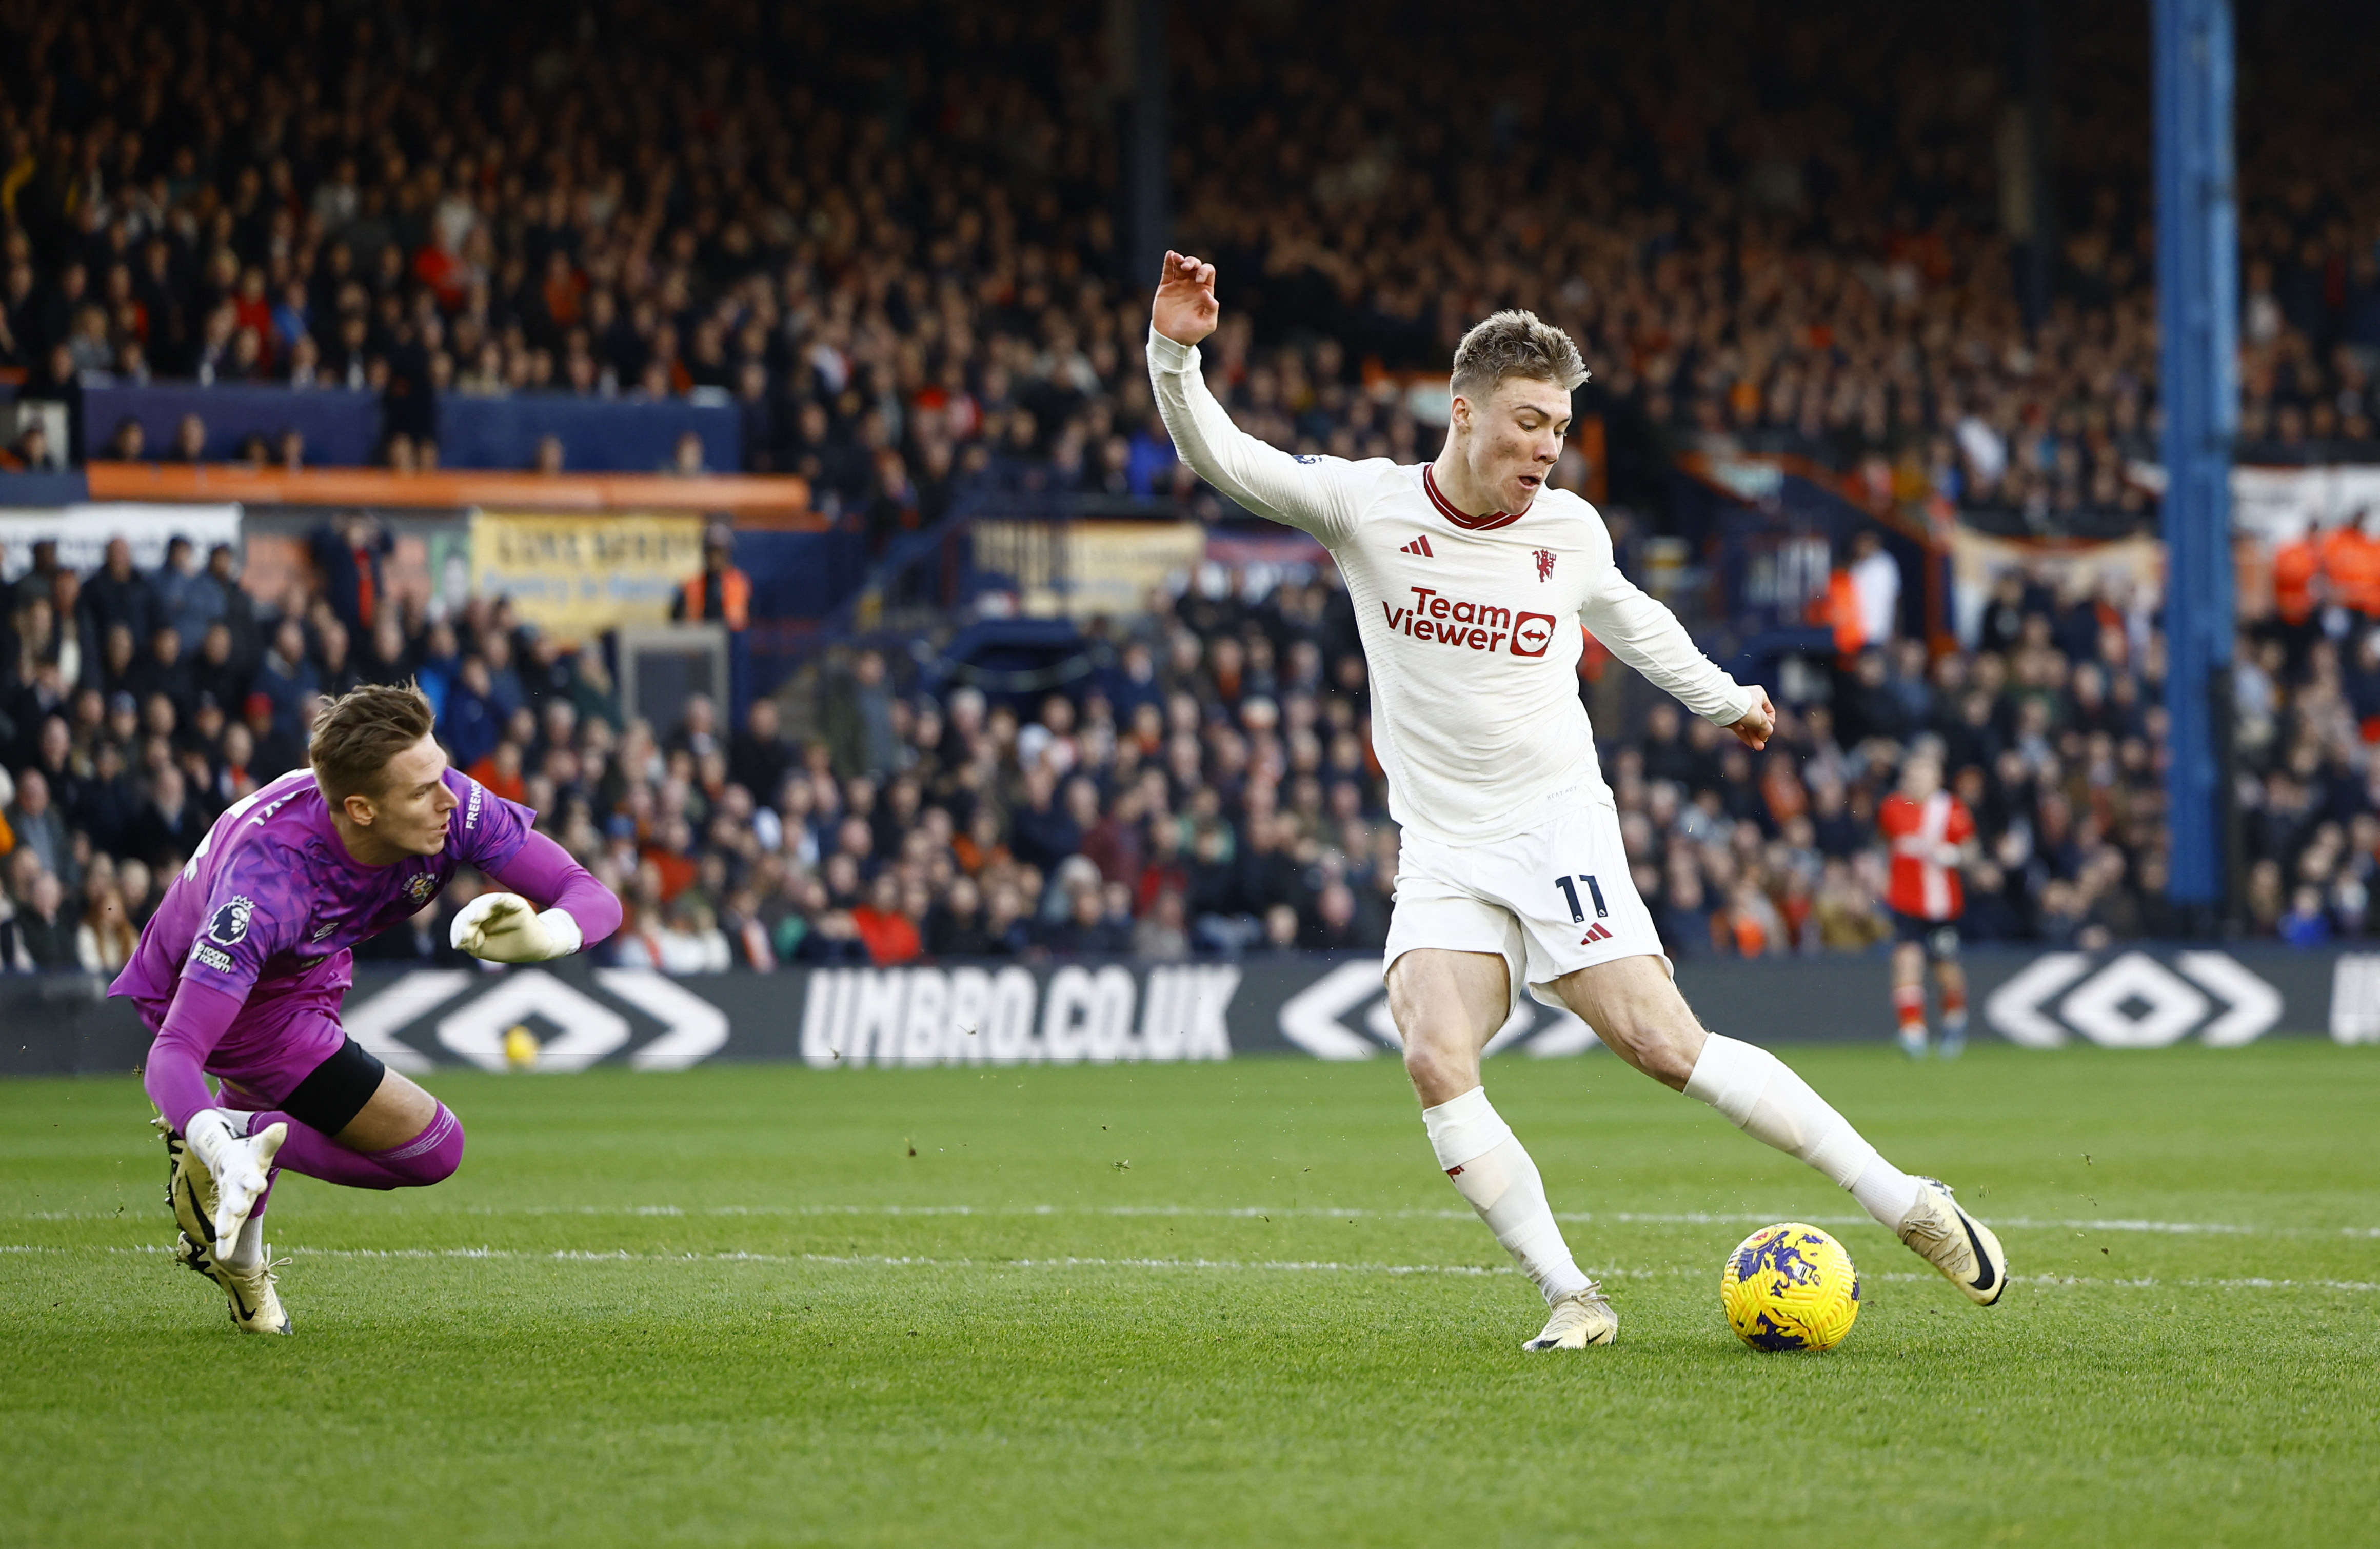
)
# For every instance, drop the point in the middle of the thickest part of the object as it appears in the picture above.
(270, 906)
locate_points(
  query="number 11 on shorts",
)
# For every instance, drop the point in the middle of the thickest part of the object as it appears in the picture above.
(1593, 890)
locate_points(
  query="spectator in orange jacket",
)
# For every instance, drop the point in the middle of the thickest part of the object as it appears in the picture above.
(721, 591)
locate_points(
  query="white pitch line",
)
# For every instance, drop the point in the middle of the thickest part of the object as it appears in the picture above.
(1258, 1212)
(1329, 1266)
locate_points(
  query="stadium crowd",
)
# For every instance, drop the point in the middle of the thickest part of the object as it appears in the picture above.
(1207, 789)
(887, 234)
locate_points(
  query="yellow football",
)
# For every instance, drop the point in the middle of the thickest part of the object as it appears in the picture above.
(1790, 1287)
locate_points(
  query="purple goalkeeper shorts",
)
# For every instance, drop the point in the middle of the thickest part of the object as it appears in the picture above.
(272, 1046)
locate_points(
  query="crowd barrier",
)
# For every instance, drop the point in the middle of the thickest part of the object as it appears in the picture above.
(568, 1016)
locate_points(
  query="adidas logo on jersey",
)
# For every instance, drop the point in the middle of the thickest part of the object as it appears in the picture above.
(1419, 546)
(1595, 932)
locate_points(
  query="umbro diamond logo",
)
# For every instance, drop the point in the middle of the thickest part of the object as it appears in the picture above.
(1596, 933)
(1419, 546)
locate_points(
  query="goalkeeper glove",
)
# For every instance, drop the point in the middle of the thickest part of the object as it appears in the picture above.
(503, 928)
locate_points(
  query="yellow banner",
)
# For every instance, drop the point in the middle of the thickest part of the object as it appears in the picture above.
(1087, 567)
(576, 576)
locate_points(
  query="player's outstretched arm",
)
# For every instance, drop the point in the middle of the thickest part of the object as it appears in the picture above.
(174, 1073)
(507, 927)
(1314, 493)
(1648, 637)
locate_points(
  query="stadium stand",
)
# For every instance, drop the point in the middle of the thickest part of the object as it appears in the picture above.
(709, 200)
(897, 260)
(1209, 790)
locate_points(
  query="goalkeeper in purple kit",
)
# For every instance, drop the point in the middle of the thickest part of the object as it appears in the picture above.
(242, 972)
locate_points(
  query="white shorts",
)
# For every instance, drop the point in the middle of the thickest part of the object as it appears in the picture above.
(1551, 900)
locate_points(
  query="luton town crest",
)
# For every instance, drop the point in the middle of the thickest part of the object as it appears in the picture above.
(1545, 558)
(419, 889)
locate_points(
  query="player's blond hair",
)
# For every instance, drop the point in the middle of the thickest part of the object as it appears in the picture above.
(1514, 344)
(359, 732)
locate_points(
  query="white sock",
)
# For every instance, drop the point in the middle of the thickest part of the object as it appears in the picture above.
(249, 1250)
(1763, 1097)
(1488, 1167)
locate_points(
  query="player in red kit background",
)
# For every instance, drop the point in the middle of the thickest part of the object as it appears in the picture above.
(1929, 829)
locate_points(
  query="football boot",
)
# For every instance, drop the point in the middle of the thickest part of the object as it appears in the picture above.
(1963, 1248)
(1578, 1320)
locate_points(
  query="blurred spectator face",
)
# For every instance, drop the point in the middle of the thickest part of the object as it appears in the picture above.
(190, 439)
(33, 795)
(132, 884)
(117, 649)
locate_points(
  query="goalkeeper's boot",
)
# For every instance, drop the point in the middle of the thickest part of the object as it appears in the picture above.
(255, 1304)
(1963, 1248)
(1912, 1042)
(1578, 1320)
(190, 1194)
(240, 1167)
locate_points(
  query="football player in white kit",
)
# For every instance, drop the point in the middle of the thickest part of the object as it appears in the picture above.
(1471, 581)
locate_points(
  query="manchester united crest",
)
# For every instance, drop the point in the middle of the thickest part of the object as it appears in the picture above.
(1545, 558)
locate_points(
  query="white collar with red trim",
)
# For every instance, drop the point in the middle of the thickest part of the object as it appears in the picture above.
(1446, 508)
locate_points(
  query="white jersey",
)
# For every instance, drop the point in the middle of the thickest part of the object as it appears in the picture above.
(1471, 625)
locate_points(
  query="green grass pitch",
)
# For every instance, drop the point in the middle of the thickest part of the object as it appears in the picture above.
(1217, 1304)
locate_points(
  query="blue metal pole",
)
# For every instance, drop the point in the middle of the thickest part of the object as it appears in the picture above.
(2198, 256)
